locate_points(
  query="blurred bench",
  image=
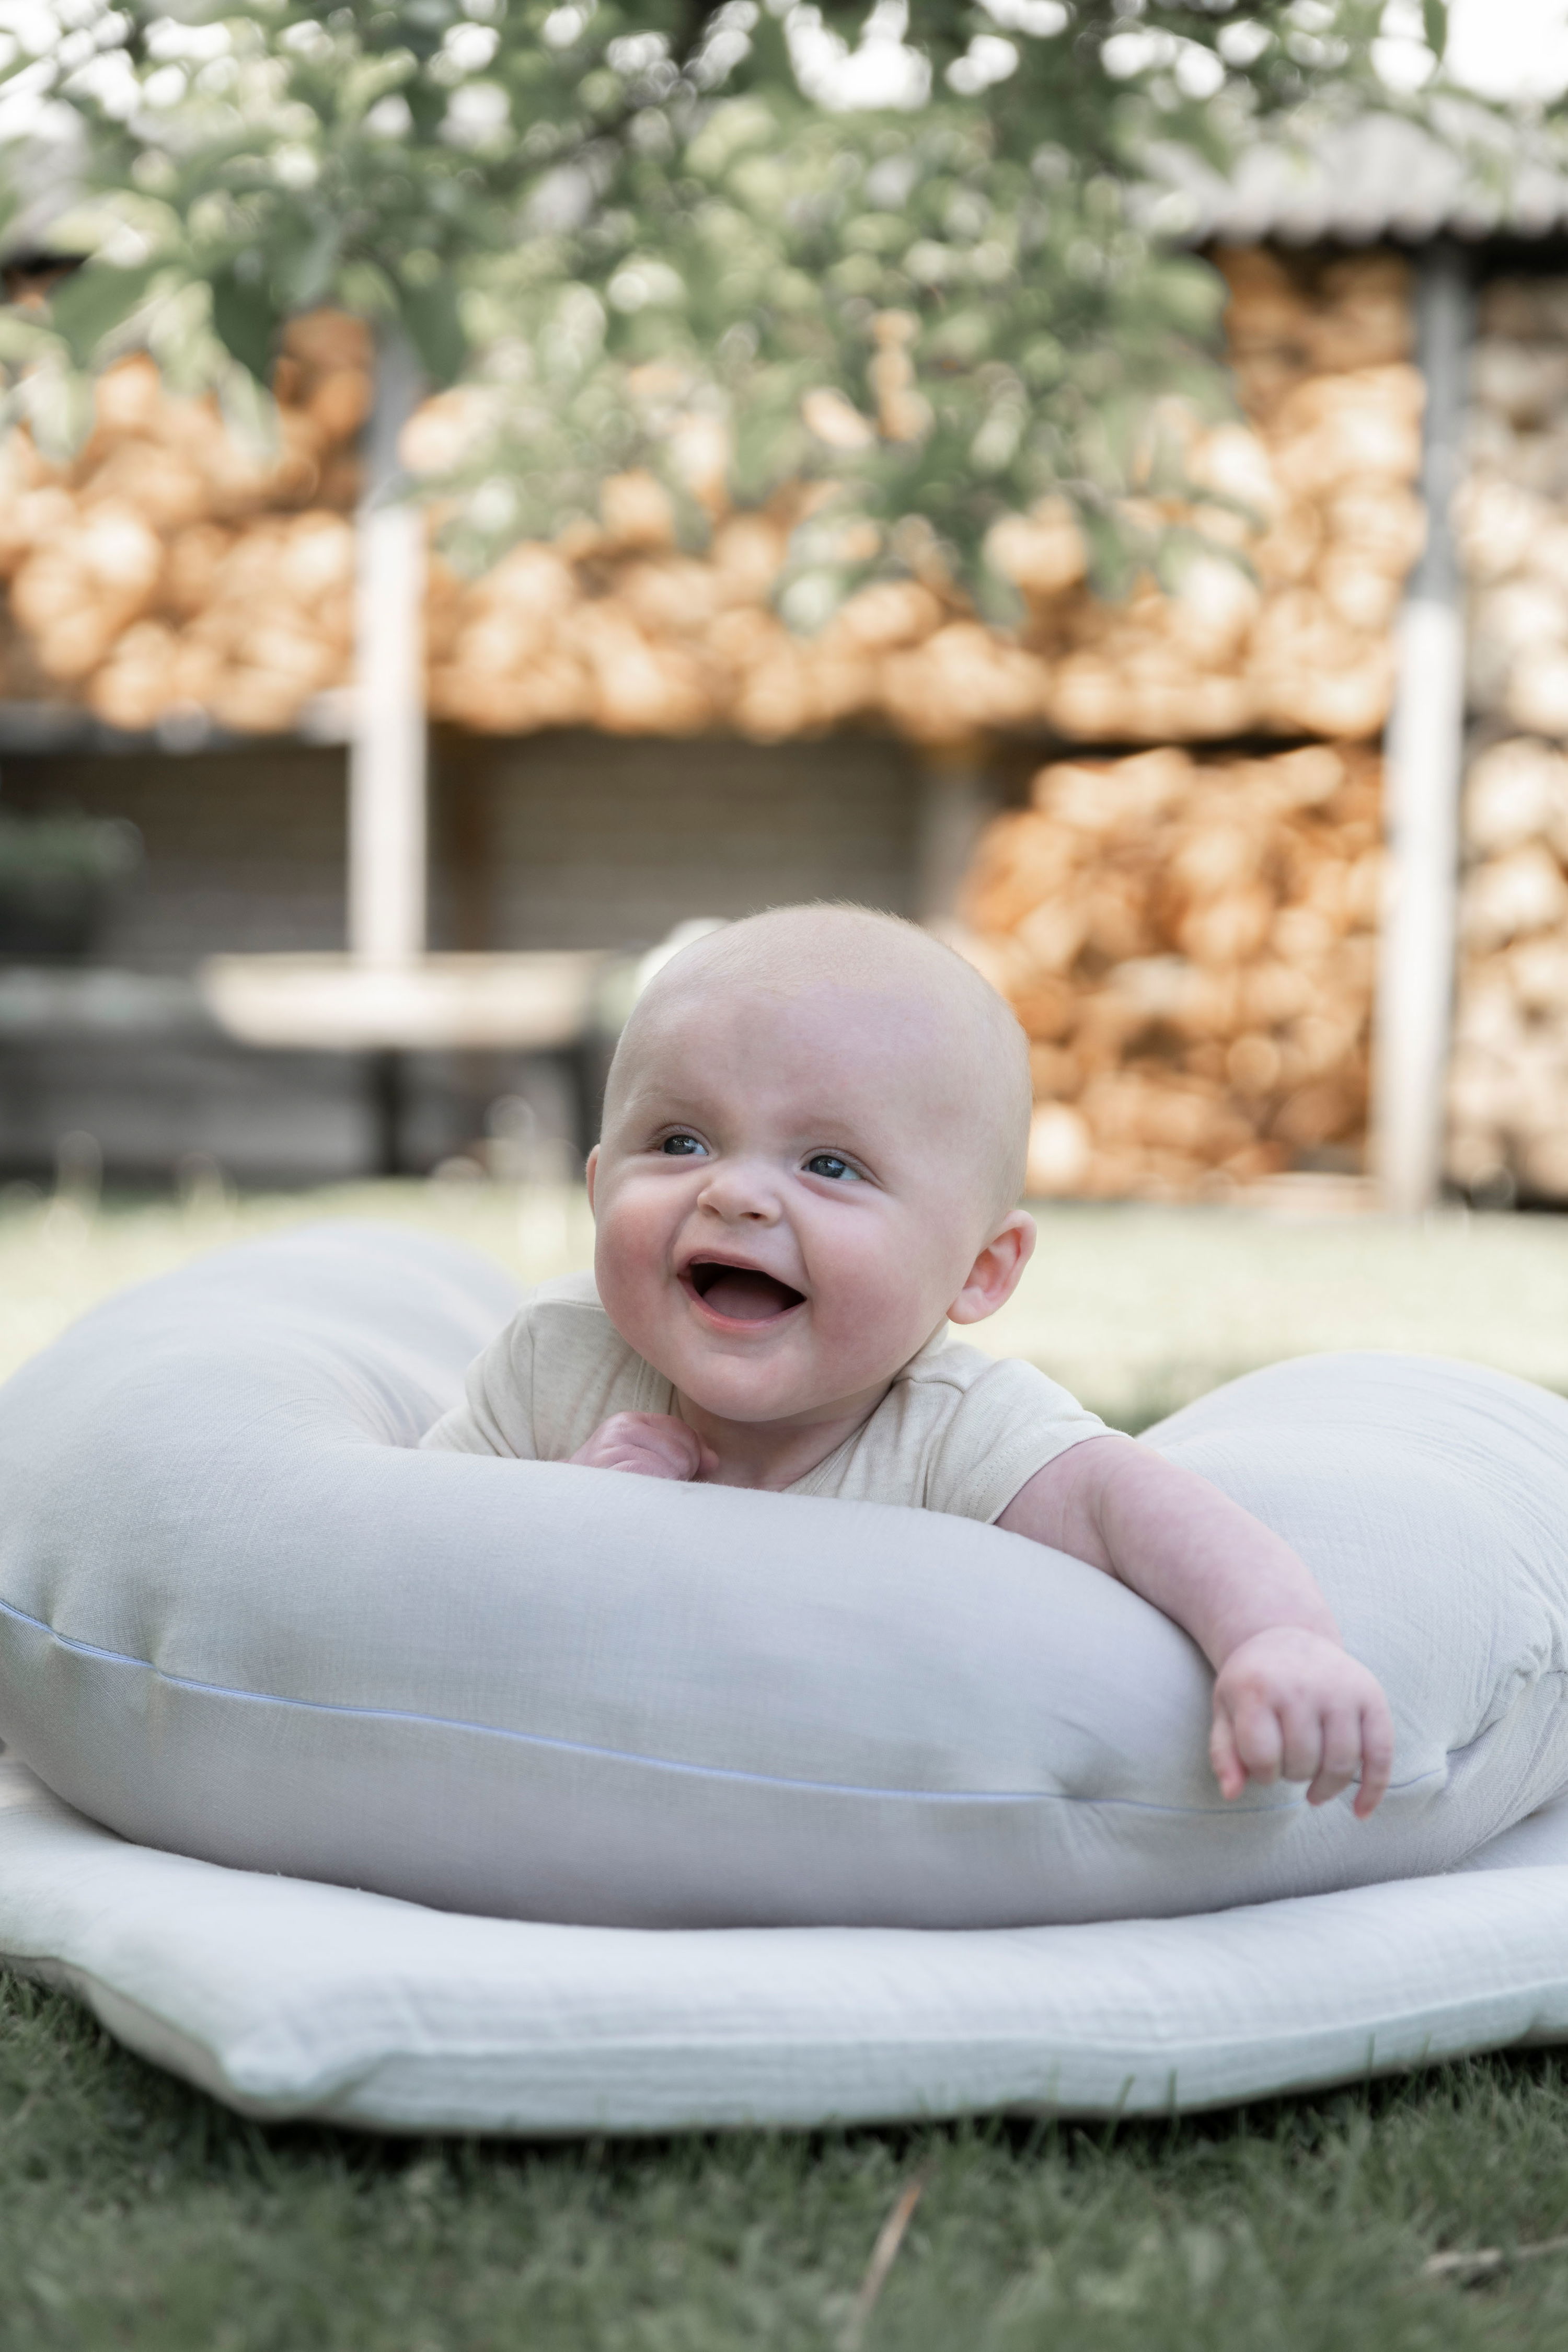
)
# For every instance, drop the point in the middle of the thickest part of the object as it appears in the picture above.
(341, 1003)
(562, 1002)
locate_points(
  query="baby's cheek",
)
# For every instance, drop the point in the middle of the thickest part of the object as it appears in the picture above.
(872, 1312)
(627, 1270)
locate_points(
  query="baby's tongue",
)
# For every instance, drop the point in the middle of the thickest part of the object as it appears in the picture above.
(746, 1296)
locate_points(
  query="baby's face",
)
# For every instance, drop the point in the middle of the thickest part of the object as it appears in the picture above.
(787, 1197)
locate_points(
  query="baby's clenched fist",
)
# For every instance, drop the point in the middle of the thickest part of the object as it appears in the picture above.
(1290, 1704)
(654, 1444)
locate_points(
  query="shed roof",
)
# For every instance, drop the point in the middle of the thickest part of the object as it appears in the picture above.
(1475, 174)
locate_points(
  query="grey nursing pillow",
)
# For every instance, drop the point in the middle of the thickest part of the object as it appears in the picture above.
(243, 1618)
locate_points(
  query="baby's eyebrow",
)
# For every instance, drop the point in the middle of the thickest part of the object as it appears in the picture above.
(657, 1103)
(673, 1113)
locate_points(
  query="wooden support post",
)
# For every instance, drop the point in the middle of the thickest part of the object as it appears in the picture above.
(1425, 752)
(387, 789)
(958, 800)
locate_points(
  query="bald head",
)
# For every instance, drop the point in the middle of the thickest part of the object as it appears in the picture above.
(970, 1043)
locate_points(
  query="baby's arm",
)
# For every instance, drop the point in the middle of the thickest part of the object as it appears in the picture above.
(1289, 1703)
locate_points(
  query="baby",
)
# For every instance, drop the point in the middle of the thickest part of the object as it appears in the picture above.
(813, 1145)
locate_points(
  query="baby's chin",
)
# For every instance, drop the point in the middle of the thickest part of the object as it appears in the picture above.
(777, 1375)
(756, 1393)
(752, 1402)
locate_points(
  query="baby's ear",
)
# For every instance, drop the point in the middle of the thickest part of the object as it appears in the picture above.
(590, 1171)
(996, 1272)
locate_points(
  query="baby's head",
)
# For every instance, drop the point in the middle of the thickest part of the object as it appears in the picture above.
(814, 1138)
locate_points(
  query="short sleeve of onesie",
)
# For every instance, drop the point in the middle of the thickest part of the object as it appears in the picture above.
(544, 1384)
(957, 1431)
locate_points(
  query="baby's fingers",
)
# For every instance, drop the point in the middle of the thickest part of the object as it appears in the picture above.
(1340, 1755)
(1229, 1769)
(1259, 1740)
(1376, 1756)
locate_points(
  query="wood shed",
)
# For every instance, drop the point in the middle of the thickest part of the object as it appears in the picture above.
(1158, 822)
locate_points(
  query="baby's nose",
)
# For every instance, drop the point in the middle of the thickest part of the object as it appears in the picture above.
(738, 1194)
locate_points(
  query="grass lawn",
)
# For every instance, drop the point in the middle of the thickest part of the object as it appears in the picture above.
(134, 2212)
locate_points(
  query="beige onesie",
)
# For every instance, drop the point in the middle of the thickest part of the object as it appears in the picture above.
(958, 1430)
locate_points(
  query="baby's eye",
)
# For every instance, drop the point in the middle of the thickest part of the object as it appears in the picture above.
(829, 1163)
(683, 1147)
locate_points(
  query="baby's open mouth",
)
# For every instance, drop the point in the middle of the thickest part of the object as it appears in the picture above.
(742, 1293)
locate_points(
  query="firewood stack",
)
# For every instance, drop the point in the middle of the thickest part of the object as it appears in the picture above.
(615, 628)
(168, 570)
(1508, 1089)
(171, 569)
(1325, 463)
(1189, 942)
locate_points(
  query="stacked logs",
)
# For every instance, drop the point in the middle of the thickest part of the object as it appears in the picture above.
(1508, 1079)
(1191, 945)
(167, 569)
(1513, 511)
(614, 628)
(1508, 1093)
(170, 568)
(1304, 523)
(1318, 500)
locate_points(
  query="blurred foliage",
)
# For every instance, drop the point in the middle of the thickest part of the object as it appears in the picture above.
(65, 847)
(666, 234)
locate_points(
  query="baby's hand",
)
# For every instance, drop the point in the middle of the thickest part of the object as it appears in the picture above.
(654, 1444)
(1290, 1704)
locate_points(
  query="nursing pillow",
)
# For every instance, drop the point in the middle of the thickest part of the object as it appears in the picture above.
(244, 1619)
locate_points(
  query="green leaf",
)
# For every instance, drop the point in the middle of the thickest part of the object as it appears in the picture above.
(431, 316)
(93, 301)
(1434, 25)
(59, 411)
(245, 321)
(308, 274)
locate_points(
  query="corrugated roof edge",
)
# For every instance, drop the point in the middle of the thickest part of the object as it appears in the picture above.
(1471, 171)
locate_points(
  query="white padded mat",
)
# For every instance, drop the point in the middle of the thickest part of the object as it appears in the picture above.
(288, 1998)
